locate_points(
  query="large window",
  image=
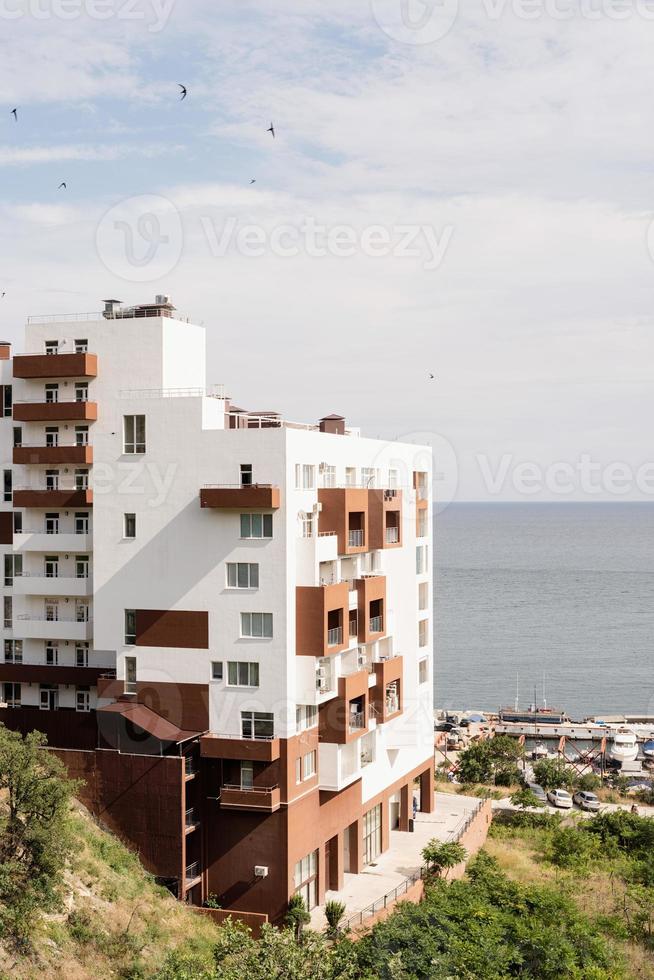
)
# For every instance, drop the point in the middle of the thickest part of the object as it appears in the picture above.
(8, 612)
(242, 674)
(305, 476)
(306, 879)
(256, 526)
(372, 834)
(242, 575)
(328, 476)
(423, 632)
(133, 434)
(130, 627)
(13, 568)
(13, 651)
(423, 596)
(81, 654)
(257, 724)
(306, 716)
(51, 653)
(6, 401)
(7, 486)
(257, 625)
(422, 557)
(423, 671)
(11, 693)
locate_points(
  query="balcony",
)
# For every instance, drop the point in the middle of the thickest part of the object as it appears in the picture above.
(34, 628)
(191, 821)
(321, 612)
(34, 366)
(345, 717)
(345, 513)
(72, 411)
(50, 674)
(338, 765)
(387, 692)
(357, 721)
(253, 496)
(385, 516)
(263, 798)
(236, 747)
(54, 585)
(335, 637)
(53, 455)
(376, 624)
(356, 538)
(63, 541)
(371, 590)
(47, 499)
(392, 535)
(192, 875)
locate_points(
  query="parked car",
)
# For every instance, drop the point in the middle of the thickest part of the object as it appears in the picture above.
(465, 723)
(586, 800)
(560, 798)
(538, 792)
(445, 726)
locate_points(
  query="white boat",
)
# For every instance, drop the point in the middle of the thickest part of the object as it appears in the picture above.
(624, 747)
(648, 749)
(539, 751)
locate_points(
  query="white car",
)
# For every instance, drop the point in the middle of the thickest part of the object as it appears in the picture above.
(587, 801)
(560, 798)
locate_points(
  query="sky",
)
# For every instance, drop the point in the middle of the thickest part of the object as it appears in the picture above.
(464, 189)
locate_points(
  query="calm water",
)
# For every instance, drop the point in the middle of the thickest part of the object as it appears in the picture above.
(567, 589)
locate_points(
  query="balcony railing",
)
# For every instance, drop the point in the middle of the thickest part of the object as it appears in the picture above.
(335, 636)
(190, 819)
(190, 768)
(392, 535)
(27, 617)
(255, 790)
(357, 721)
(192, 871)
(355, 539)
(392, 705)
(376, 624)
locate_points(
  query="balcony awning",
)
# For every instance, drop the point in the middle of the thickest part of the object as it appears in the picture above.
(147, 719)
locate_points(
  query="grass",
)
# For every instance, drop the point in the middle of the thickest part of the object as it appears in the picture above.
(116, 921)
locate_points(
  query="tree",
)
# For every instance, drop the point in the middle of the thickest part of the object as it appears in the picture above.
(491, 760)
(553, 774)
(524, 798)
(35, 839)
(334, 912)
(297, 916)
(443, 856)
(589, 782)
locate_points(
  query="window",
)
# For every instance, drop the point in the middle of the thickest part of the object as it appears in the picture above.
(306, 879)
(82, 699)
(256, 526)
(423, 671)
(81, 523)
(372, 834)
(328, 476)
(81, 566)
(52, 436)
(368, 476)
(51, 393)
(350, 476)
(18, 522)
(52, 346)
(309, 765)
(129, 525)
(11, 694)
(51, 610)
(81, 479)
(247, 774)
(241, 575)
(130, 627)
(423, 595)
(393, 479)
(257, 724)
(241, 674)
(52, 523)
(8, 612)
(305, 476)
(246, 474)
(49, 697)
(257, 625)
(51, 653)
(130, 675)
(81, 654)
(81, 391)
(422, 529)
(7, 481)
(423, 632)
(18, 436)
(298, 770)
(81, 435)
(421, 559)
(81, 346)
(134, 434)
(307, 522)
(216, 670)
(13, 568)
(6, 401)
(51, 563)
(52, 479)
(13, 651)
(306, 716)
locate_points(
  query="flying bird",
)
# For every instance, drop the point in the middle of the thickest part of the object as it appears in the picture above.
(14, 113)
(271, 129)
(183, 88)
(432, 377)
(254, 180)
(62, 184)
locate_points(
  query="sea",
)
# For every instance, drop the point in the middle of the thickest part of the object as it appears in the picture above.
(558, 598)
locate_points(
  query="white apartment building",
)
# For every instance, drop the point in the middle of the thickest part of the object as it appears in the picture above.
(220, 619)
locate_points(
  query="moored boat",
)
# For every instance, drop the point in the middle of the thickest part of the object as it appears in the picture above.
(624, 746)
(648, 749)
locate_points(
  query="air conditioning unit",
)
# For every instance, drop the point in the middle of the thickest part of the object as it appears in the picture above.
(260, 871)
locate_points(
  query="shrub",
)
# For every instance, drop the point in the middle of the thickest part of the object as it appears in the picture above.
(441, 856)
(553, 774)
(334, 912)
(297, 916)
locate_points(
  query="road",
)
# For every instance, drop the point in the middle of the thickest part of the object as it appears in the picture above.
(644, 811)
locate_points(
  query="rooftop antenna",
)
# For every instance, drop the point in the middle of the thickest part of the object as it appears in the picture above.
(544, 697)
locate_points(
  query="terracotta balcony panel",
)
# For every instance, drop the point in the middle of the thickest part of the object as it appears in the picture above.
(334, 716)
(55, 366)
(45, 674)
(382, 504)
(55, 411)
(386, 671)
(314, 638)
(267, 800)
(371, 588)
(48, 499)
(338, 506)
(50, 455)
(255, 749)
(257, 496)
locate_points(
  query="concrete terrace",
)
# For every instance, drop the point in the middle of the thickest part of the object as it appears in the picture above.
(402, 858)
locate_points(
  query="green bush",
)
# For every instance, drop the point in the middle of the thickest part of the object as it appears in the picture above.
(553, 774)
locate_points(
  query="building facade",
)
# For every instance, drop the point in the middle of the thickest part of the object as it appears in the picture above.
(220, 619)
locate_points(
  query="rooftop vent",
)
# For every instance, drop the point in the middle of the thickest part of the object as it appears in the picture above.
(162, 306)
(334, 424)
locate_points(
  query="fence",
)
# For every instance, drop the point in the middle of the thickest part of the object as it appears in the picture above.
(385, 901)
